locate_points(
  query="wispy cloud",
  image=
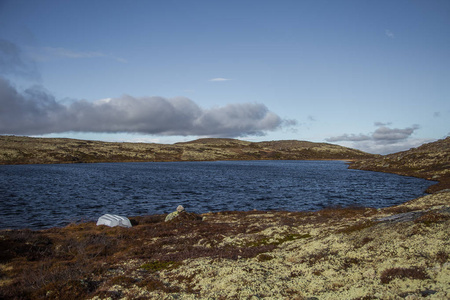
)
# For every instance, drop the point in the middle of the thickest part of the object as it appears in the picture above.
(35, 111)
(14, 62)
(49, 53)
(219, 79)
(312, 118)
(382, 123)
(389, 34)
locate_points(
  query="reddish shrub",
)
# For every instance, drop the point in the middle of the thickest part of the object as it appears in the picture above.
(412, 273)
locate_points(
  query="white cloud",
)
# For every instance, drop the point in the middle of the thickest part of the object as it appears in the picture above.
(389, 34)
(219, 79)
(382, 124)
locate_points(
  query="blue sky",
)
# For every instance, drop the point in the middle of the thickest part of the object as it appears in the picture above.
(372, 75)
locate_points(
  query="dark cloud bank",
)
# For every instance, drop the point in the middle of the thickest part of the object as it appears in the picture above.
(35, 111)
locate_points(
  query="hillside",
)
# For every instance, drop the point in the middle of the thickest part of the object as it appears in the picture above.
(26, 150)
(430, 161)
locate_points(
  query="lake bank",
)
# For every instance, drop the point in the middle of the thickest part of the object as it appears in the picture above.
(354, 253)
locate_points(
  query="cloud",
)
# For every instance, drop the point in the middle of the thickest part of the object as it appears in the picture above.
(219, 79)
(382, 124)
(13, 62)
(393, 135)
(349, 137)
(20, 113)
(35, 111)
(380, 148)
(311, 118)
(389, 34)
(49, 53)
(383, 140)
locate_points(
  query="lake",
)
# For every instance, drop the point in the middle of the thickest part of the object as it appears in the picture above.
(43, 196)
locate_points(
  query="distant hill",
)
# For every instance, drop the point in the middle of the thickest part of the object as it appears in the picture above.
(27, 150)
(430, 161)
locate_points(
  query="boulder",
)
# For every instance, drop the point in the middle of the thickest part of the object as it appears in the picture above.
(181, 214)
(174, 214)
(114, 220)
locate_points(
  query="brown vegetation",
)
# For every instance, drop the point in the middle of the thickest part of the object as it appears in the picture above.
(26, 150)
(203, 256)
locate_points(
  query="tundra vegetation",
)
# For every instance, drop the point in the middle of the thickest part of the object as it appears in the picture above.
(399, 252)
(26, 150)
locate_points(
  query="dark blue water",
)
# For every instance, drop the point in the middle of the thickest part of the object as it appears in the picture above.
(42, 196)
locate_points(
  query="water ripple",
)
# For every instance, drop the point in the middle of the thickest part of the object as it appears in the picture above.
(42, 196)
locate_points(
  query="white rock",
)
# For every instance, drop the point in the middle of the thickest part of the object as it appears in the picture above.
(114, 220)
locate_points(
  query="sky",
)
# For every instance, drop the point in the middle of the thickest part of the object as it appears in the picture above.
(371, 75)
